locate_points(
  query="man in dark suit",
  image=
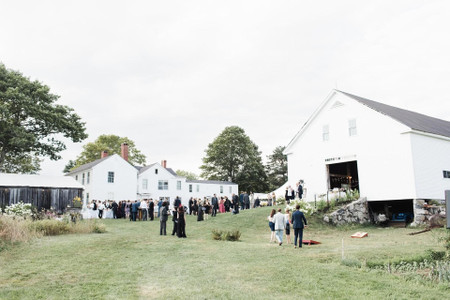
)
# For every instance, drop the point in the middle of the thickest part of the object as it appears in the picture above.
(114, 209)
(241, 200)
(246, 201)
(300, 190)
(215, 205)
(298, 218)
(176, 203)
(134, 209)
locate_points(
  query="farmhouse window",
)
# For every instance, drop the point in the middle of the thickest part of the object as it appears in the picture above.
(190, 188)
(198, 188)
(179, 185)
(110, 177)
(163, 185)
(446, 174)
(144, 184)
(88, 179)
(221, 189)
(82, 179)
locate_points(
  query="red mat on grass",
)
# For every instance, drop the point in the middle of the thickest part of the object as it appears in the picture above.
(310, 242)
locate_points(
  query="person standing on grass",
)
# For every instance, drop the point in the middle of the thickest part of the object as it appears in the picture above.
(280, 222)
(175, 219)
(164, 213)
(215, 205)
(101, 207)
(151, 209)
(288, 226)
(181, 226)
(298, 223)
(271, 226)
(143, 208)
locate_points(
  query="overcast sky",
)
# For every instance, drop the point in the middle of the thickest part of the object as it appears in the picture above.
(171, 75)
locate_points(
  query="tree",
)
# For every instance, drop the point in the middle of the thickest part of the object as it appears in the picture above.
(111, 143)
(233, 156)
(32, 124)
(187, 174)
(276, 168)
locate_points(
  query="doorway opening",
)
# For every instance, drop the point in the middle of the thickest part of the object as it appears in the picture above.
(343, 175)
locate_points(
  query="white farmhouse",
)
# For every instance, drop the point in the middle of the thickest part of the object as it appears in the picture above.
(108, 178)
(156, 181)
(114, 178)
(385, 152)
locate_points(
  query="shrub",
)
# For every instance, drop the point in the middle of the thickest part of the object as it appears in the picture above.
(20, 209)
(50, 227)
(220, 235)
(14, 230)
(435, 255)
(351, 262)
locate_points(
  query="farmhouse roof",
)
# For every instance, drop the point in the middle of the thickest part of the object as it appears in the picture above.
(211, 182)
(411, 119)
(44, 181)
(88, 165)
(143, 169)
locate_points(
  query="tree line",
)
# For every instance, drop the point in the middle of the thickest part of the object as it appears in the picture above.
(32, 125)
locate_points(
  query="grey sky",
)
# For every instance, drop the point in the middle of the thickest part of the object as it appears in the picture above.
(171, 75)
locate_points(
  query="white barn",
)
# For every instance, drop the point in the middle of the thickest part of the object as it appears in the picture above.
(387, 153)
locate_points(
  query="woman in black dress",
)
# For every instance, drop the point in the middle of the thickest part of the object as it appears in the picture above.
(200, 211)
(181, 228)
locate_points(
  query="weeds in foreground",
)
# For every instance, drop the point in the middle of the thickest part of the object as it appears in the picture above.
(222, 235)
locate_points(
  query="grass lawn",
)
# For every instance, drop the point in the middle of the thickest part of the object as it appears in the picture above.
(132, 261)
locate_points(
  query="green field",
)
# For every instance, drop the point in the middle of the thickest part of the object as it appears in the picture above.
(132, 261)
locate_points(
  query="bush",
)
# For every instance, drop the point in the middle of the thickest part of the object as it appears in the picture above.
(220, 235)
(351, 262)
(50, 227)
(435, 255)
(14, 230)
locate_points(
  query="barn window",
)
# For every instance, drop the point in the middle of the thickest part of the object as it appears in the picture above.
(88, 179)
(190, 188)
(156, 171)
(229, 189)
(446, 174)
(325, 133)
(198, 188)
(82, 180)
(352, 127)
(111, 177)
(221, 189)
(179, 185)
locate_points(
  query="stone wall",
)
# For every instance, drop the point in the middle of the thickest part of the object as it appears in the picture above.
(356, 212)
(425, 214)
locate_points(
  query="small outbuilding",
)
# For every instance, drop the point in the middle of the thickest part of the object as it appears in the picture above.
(56, 192)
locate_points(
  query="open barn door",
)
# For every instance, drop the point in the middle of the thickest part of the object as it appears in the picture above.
(343, 175)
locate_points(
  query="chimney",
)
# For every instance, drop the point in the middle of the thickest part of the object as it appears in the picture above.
(124, 151)
(104, 154)
(164, 163)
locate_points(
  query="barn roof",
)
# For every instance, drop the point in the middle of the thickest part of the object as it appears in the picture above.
(411, 119)
(44, 181)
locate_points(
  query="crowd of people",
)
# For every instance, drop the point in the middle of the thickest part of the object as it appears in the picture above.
(149, 209)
